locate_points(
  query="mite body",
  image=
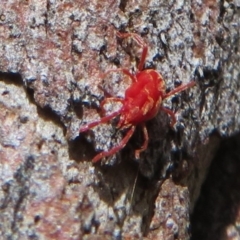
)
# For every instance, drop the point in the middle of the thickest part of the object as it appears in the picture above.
(142, 101)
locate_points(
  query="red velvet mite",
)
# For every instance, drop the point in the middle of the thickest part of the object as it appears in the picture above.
(142, 101)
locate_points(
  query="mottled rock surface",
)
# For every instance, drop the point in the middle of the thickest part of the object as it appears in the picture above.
(52, 58)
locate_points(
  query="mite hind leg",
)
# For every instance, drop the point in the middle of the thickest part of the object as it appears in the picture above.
(115, 149)
(105, 119)
(145, 143)
(180, 89)
(106, 100)
(171, 114)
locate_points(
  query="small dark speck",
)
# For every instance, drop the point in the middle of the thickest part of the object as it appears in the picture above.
(177, 83)
(104, 28)
(24, 119)
(158, 57)
(116, 61)
(122, 5)
(34, 21)
(33, 236)
(175, 100)
(138, 11)
(191, 17)
(29, 164)
(117, 235)
(103, 49)
(219, 38)
(37, 218)
(184, 67)
(5, 92)
(149, 65)
(145, 31)
(6, 186)
(71, 17)
(186, 113)
(175, 235)
(168, 89)
(86, 228)
(154, 12)
(179, 11)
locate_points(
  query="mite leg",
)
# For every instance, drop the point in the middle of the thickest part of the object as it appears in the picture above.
(106, 93)
(123, 70)
(180, 89)
(86, 127)
(104, 119)
(140, 42)
(171, 113)
(104, 101)
(145, 144)
(120, 146)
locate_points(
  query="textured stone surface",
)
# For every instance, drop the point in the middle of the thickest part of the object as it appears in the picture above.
(52, 58)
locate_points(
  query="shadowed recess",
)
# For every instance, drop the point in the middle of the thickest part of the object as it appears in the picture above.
(217, 209)
(46, 113)
(79, 149)
(11, 78)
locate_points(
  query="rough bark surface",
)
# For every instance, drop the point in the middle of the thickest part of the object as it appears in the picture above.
(52, 58)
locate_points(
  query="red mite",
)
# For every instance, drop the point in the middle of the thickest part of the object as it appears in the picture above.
(142, 101)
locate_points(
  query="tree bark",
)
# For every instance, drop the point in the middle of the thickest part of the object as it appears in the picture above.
(53, 55)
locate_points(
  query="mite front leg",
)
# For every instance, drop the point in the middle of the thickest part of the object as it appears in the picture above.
(140, 42)
(180, 89)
